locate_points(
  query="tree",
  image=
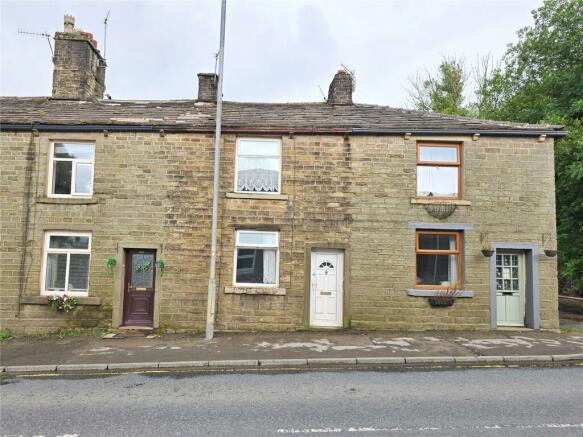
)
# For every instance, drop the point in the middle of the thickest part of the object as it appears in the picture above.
(444, 92)
(539, 81)
(542, 81)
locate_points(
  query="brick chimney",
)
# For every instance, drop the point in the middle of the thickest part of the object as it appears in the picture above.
(79, 68)
(207, 87)
(340, 91)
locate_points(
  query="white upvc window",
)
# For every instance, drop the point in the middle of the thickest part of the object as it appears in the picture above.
(258, 166)
(71, 169)
(66, 259)
(256, 261)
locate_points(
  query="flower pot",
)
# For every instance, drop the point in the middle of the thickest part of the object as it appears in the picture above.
(488, 252)
(440, 301)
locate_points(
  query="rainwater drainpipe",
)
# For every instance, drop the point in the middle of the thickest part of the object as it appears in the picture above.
(212, 286)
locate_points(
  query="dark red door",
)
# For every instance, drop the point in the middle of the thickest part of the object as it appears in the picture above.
(140, 279)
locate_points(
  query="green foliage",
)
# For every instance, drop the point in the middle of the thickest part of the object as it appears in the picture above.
(110, 264)
(543, 82)
(62, 303)
(5, 334)
(443, 93)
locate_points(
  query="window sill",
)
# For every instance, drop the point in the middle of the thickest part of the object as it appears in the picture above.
(256, 290)
(427, 201)
(257, 196)
(68, 200)
(43, 300)
(425, 292)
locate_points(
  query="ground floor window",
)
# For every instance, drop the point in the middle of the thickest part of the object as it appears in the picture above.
(256, 258)
(66, 258)
(438, 259)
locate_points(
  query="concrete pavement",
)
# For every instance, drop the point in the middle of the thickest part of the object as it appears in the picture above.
(297, 349)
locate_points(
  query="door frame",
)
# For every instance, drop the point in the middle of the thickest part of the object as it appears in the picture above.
(119, 283)
(343, 248)
(531, 278)
(521, 288)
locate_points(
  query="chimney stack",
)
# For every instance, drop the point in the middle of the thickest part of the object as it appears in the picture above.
(340, 91)
(207, 87)
(79, 68)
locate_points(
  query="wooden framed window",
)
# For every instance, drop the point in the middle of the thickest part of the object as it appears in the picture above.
(439, 261)
(258, 166)
(66, 258)
(256, 260)
(71, 169)
(439, 170)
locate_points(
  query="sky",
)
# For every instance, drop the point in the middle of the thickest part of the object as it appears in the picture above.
(275, 50)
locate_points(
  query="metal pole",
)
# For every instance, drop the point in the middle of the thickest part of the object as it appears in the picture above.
(212, 286)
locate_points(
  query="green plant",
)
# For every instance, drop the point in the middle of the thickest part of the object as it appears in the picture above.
(110, 264)
(62, 303)
(161, 264)
(5, 334)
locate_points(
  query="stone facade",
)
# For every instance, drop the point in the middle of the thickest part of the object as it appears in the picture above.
(355, 193)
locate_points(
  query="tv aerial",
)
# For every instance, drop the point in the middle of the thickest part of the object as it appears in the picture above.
(44, 35)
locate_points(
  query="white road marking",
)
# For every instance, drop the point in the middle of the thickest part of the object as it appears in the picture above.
(372, 429)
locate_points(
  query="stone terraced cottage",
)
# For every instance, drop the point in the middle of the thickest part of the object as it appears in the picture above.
(332, 214)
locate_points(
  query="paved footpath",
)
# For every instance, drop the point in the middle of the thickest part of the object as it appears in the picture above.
(294, 349)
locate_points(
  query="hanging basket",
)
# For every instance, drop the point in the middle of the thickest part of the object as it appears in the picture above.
(551, 253)
(440, 210)
(441, 301)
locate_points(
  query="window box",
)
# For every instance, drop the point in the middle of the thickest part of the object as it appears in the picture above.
(71, 170)
(258, 166)
(42, 300)
(66, 260)
(256, 259)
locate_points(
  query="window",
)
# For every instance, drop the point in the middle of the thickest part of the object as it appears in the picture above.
(256, 258)
(71, 169)
(438, 259)
(258, 166)
(66, 263)
(438, 170)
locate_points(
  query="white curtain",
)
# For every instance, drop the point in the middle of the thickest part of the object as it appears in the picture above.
(269, 266)
(453, 269)
(258, 174)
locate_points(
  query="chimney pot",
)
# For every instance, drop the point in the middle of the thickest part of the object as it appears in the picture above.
(207, 87)
(340, 91)
(69, 23)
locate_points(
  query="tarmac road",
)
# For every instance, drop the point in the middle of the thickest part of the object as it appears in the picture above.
(486, 401)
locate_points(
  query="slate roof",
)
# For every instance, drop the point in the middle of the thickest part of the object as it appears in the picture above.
(193, 115)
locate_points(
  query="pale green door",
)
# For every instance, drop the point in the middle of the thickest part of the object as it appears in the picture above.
(510, 288)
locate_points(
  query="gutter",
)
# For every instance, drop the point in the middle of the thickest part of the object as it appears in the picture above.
(282, 131)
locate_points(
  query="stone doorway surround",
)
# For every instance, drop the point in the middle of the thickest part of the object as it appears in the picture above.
(532, 291)
(119, 275)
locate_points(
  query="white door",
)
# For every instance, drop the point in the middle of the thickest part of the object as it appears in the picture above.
(510, 288)
(326, 292)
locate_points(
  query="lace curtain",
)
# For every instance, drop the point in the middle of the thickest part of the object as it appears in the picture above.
(257, 179)
(269, 266)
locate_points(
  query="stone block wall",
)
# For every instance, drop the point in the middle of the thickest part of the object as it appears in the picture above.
(349, 193)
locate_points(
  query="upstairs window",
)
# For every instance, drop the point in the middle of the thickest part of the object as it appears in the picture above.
(71, 169)
(438, 259)
(258, 166)
(256, 258)
(438, 171)
(66, 263)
